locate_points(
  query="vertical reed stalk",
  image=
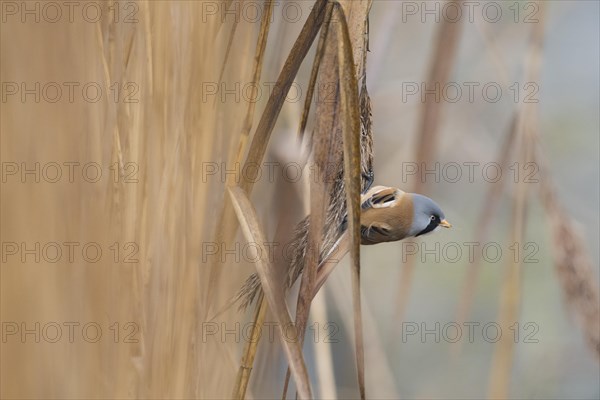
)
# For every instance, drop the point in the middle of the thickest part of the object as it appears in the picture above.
(510, 296)
(243, 376)
(440, 68)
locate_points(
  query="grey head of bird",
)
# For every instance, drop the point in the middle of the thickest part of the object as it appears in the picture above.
(427, 216)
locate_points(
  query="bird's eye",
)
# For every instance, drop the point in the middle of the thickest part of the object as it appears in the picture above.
(433, 217)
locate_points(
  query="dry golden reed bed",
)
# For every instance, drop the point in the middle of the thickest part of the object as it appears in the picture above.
(152, 133)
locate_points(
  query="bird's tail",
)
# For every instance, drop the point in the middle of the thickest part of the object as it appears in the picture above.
(251, 289)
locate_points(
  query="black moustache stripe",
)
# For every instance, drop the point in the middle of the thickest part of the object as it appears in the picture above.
(432, 225)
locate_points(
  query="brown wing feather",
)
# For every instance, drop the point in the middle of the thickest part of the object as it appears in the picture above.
(386, 216)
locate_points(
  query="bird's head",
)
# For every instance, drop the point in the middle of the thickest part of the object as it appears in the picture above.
(427, 216)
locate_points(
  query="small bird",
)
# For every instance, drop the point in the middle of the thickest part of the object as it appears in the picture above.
(387, 215)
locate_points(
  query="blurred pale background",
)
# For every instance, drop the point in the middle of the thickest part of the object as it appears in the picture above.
(167, 210)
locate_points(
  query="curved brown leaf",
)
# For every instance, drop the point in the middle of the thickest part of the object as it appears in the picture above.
(273, 289)
(350, 122)
(227, 229)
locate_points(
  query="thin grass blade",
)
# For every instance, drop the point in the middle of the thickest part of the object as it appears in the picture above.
(261, 45)
(243, 377)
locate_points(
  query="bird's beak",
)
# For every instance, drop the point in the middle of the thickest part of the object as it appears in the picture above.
(445, 224)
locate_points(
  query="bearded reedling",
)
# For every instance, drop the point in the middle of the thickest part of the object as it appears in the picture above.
(387, 215)
(335, 217)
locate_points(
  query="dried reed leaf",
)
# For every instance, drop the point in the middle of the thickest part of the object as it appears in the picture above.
(329, 115)
(247, 361)
(315, 71)
(289, 197)
(282, 86)
(350, 120)
(273, 289)
(319, 195)
(324, 150)
(227, 229)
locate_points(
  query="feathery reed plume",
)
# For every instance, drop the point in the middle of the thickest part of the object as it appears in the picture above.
(578, 281)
